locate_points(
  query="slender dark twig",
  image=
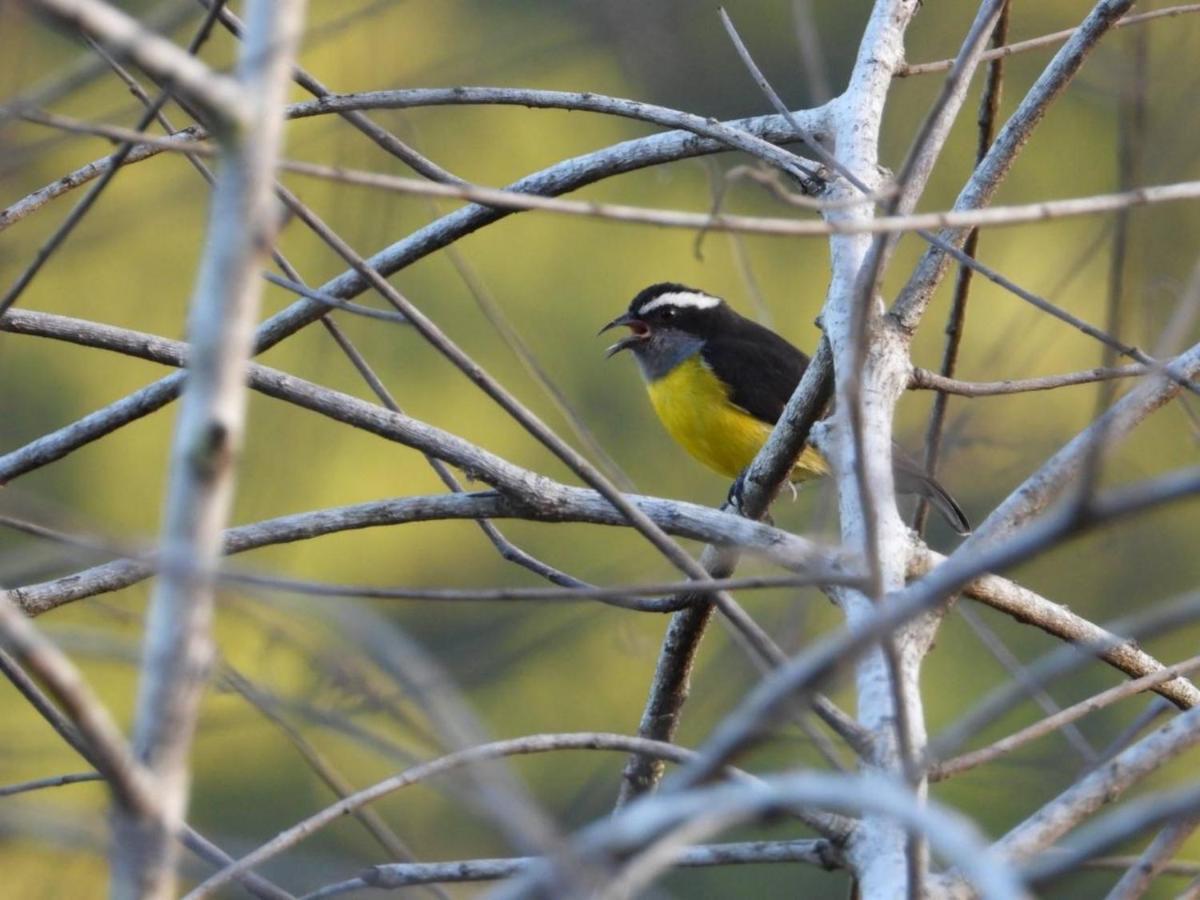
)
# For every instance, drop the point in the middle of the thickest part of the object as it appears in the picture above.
(989, 107)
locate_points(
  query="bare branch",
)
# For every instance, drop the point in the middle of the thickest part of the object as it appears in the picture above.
(499, 749)
(821, 853)
(1053, 723)
(551, 503)
(730, 135)
(1046, 40)
(993, 217)
(923, 379)
(1136, 881)
(38, 784)
(207, 439)
(1081, 800)
(723, 806)
(981, 187)
(1026, 606)
(107, 748)
(31, 203)
(219, 94)
(998, 216)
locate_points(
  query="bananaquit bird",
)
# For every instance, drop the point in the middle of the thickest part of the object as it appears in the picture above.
(720, 381)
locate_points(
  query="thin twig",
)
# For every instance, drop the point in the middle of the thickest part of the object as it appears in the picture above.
(371, 821)
(1021, 675)
(38, 784)
(1046, 40)
(812, 56)
(1052, 723)
(923, 379)
(989, 106)
(820, 853)
(1137, 879)
(185, 141)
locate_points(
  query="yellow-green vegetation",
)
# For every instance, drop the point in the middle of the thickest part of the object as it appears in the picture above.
(551, 666)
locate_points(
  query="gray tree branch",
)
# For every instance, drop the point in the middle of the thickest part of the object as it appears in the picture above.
(178, 651)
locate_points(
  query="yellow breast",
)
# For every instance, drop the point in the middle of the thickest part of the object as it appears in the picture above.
(695, 408)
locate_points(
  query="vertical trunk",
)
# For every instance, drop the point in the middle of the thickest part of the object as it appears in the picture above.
(868, 380)
(178, 646)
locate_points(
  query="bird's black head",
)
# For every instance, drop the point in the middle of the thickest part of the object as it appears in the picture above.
(667, 323)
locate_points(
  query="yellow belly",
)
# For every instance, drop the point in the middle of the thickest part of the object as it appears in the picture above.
(696, 410)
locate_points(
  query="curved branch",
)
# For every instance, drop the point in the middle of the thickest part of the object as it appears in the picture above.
(991, 217)
(640, 824)
(551, 502)
(756, 135)
(38, 784)
(496, 750)
(731, 135)
(525, 488)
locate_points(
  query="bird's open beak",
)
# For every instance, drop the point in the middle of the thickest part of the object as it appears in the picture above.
(638, 331)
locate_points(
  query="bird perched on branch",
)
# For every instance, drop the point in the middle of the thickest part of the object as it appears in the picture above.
(719, 383)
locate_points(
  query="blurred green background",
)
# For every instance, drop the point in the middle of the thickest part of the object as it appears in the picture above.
(557, 667)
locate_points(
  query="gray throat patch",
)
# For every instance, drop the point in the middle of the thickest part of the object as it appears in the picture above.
(664, 350)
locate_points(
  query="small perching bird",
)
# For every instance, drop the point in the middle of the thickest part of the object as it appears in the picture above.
(719, 383)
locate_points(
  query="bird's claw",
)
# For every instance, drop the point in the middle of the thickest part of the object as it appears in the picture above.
(737, 491)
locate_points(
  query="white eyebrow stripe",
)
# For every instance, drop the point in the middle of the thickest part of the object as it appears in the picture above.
(689, 299)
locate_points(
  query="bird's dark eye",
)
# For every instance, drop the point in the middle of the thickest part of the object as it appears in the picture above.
(669, 313)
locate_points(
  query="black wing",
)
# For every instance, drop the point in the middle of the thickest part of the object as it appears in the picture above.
(761, 368)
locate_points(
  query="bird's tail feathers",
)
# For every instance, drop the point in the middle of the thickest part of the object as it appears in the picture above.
(911, 480)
